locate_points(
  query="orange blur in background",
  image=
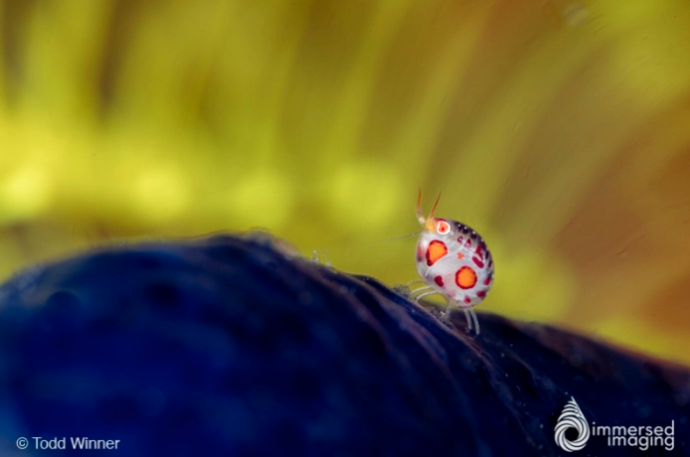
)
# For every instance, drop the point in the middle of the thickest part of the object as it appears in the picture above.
(559, 130)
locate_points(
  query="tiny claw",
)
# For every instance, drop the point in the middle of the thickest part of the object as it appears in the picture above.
(426, 222)
(420, 213)
(433, 209)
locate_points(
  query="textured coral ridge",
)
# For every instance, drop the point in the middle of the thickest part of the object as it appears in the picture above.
(229, 346)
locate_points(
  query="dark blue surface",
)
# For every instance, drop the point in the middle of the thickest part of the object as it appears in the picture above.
(225, 346)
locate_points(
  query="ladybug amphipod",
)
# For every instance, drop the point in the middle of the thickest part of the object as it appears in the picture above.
(453, 261)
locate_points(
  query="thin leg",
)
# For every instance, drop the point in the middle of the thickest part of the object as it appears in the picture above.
(468, 317)
(414, 281)
(425, 294)
(425, 288)
(421, 290)
(476, 321)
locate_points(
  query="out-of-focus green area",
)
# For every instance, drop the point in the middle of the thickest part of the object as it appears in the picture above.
(559, 130)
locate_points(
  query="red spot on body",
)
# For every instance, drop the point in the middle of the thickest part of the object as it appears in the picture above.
(439, 280)
(468, 300)
(461, 255)
(487, 281)
(465, 278)
(481, 294)
(478, 251)
(478, 262)
(436, 250)
(460, 239)
(468, 243)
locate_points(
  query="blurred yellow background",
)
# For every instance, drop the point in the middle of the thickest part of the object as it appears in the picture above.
(559, 130)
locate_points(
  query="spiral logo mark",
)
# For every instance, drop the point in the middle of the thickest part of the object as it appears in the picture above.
(572, 417)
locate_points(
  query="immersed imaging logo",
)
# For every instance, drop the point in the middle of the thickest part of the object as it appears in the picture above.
(640, 436)
(572, 417)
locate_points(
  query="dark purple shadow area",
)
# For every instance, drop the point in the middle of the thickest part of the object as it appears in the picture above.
(227, 346)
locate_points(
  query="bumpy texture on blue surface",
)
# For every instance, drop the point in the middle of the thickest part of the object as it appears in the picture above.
(227, 346)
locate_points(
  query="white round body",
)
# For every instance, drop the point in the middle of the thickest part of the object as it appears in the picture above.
(456, 262)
